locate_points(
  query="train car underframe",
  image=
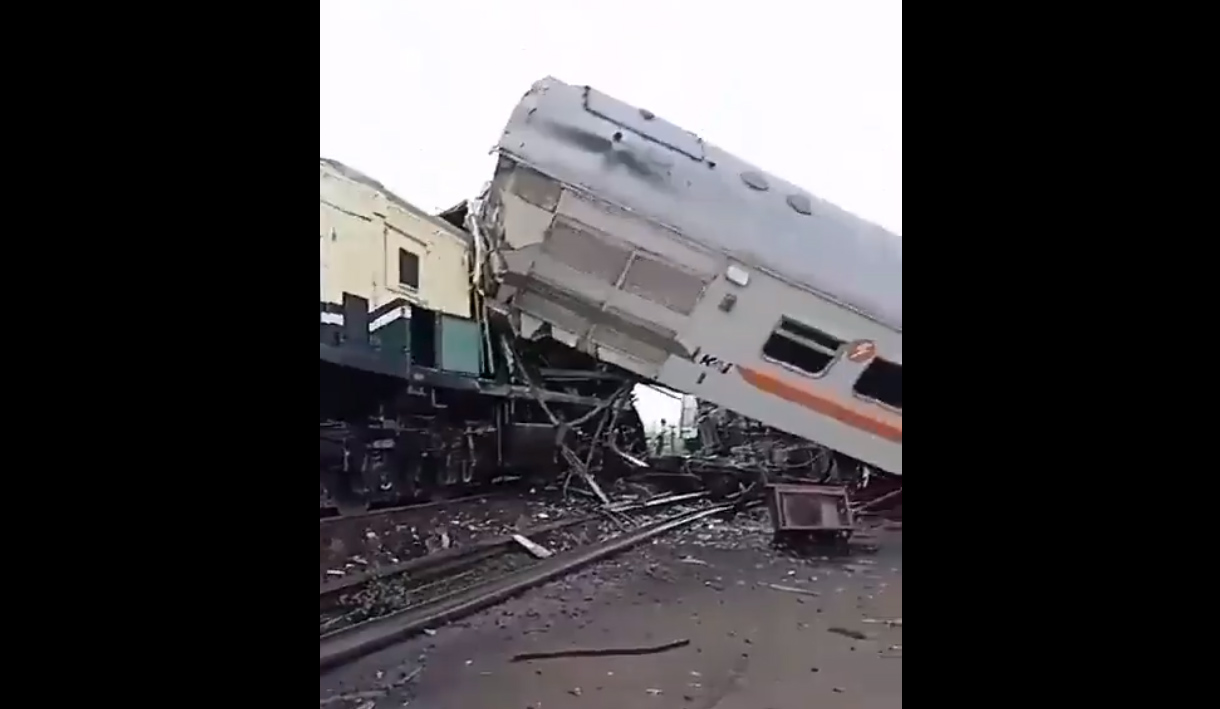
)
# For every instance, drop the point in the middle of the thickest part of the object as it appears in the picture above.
(393, 435)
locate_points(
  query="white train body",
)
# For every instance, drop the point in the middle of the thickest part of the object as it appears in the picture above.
(629, 238)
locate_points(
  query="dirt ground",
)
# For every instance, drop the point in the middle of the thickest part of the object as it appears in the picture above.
(754, 642)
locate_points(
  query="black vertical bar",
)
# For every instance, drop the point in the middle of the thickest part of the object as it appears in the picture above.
(355, 320)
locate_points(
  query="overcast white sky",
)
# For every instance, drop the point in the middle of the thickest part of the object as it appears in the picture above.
(415, 93)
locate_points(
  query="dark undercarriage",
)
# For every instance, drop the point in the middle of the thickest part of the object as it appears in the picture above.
(394, 432)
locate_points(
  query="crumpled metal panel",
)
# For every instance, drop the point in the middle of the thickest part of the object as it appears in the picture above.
(637, 161)
(551, 312)
(577, 246)
(675, 289)
(615, 340)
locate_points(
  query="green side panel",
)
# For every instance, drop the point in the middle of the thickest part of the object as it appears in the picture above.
(461, 346)
(394, 340)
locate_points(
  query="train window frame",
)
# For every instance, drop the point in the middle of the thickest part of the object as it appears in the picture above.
(402, 282)
(855, 387)
(790, 329)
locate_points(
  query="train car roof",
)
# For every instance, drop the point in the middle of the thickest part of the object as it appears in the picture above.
(576, 134)
(358, 177)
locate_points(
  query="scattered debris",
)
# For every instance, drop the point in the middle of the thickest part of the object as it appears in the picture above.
(660, 574)
(893, 623)
(792, 589)
(372, 695)
(609, 652)
(532, 547)
(802, 508)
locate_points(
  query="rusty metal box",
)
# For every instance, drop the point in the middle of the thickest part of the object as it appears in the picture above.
(809, 508)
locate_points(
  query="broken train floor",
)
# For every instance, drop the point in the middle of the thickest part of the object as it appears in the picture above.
(752, 646)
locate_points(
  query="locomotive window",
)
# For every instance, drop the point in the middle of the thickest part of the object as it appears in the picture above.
(882, 381)
(408, 269)
(802, 347)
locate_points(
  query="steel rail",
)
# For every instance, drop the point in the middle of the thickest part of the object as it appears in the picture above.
(407, 509)
(472, 553)
(352, 642)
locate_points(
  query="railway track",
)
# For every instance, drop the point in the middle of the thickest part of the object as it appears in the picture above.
(367, 612)
(415, 575)
(354, 544)
(331, 515)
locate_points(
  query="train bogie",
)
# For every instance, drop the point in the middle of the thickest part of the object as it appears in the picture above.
(625, 237)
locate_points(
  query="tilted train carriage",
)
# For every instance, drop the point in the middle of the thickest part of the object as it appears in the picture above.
(419, 395)
(610, 245)
(625, 237)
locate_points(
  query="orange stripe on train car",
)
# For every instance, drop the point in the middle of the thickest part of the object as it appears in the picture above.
(825, 404)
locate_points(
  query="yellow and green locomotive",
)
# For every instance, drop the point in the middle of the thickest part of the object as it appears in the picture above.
(421, 394)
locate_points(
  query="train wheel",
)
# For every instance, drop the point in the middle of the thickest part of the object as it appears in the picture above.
(343, 495)
(351, 506)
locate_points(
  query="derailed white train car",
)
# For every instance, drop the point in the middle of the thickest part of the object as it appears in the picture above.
(629, 238)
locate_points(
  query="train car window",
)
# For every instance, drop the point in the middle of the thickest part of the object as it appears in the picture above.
(803, 347)
(408, 269)
(881, 381)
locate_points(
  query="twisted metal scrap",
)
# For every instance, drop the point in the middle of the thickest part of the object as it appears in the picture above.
(562, 428)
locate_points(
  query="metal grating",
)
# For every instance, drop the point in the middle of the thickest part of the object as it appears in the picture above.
(578, 246)
(675, 289)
